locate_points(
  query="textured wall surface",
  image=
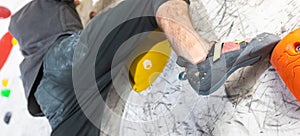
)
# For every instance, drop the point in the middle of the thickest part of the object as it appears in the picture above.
(254, 101)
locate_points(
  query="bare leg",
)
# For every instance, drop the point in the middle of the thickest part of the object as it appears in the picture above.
(173, 18)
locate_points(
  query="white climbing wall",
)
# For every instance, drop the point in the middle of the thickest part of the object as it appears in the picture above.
(259, 102)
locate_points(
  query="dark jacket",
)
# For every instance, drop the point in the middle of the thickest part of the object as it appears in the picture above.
(36, 27)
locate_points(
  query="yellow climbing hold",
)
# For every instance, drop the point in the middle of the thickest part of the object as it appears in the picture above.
(146, 67)
(5, 83)
(14, 42)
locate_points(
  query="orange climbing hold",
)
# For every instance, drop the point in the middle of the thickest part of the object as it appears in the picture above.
(286, 60)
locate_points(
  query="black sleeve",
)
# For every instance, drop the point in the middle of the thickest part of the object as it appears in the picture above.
(69, 1)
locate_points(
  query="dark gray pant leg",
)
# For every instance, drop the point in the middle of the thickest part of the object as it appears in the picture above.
(56, 94)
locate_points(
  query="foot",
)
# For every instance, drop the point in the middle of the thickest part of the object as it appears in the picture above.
(225, 58)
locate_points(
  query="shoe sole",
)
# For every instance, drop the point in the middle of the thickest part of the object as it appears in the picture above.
(257, 50)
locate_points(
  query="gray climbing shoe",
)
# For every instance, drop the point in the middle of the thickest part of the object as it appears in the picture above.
(225, 58)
